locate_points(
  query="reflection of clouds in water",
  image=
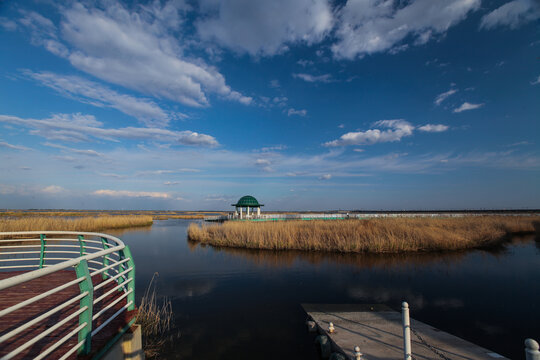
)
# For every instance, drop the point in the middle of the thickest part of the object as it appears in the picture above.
(448, 303)
(181, 288)
(488, 328)
(387, 295)
(396, 295)
(184, 288)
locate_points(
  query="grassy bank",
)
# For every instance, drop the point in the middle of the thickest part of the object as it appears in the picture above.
(88, 223)
(374, 235)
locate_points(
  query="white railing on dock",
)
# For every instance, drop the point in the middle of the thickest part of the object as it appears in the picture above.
(89, 255)
(532, 349)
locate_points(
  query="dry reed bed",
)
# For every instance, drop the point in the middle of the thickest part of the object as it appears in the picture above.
(155, 320)
(89, 223)
(374, 235)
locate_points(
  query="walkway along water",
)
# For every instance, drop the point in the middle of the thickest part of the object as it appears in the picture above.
(74, 296)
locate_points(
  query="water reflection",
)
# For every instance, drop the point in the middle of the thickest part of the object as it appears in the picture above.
(280, 259)
(237, 303)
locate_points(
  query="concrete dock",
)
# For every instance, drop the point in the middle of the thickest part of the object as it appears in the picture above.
(378, 331)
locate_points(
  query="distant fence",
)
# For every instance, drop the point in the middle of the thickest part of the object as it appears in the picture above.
(343, 216)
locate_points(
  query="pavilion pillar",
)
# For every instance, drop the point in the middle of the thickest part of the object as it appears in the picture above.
(247, 212)
(258, 212)
(240, 213)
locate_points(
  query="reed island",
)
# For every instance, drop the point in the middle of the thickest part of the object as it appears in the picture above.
(378, 235)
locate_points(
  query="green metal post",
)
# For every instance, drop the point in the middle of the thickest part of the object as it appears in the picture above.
(42, 252)
(81, 244)
(86, 316)
(105, 243)
(121, 256)
(126, 253)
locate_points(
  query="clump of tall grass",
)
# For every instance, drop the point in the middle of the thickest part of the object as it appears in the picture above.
(155, 320)
(88, 223)
(374, 235)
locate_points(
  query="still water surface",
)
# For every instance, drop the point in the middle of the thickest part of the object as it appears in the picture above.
(240, 304)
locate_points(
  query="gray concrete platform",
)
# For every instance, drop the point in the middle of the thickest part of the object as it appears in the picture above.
(378, 331)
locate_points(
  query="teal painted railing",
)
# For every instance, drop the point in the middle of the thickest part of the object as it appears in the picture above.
(90, 255)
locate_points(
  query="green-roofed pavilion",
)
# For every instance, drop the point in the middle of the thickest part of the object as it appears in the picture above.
(247, 202)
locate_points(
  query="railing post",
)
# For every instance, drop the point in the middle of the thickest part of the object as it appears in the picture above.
(126, 253)
(407, 353)
(85, 334)
(42, 252)
(81, 244)
(531, 350)
(121, 256)
(105, 243)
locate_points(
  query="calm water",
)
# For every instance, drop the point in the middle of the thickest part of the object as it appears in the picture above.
(238, 304)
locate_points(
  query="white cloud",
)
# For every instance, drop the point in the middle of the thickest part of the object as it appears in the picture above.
(520, 143)
(433, 128)
(372, 26)
(304, 63)
(261, 27)
(274, 148)
(145, 110)
(292, 111)
(395, 130)
(325, 78)
(325, 177)
(467, 106)
(441, 97)
(13, 147)
(78, 127)
(358, 150)
(263, 162)
(536, 82)
(112, 175)
(86, 152)
(52, 189)
(138, 50)
(136, 194)
(512, 14)
(7, 24)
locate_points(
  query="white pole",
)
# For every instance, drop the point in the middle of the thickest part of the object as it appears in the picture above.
(406, 331)
(531, 350)
(258, 212)
(240, 213)
(247, 217)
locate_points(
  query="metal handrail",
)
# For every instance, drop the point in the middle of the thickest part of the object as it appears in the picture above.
(113, 256)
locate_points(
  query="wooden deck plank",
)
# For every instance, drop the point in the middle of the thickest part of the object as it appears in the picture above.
(19, 293)
(378, 331)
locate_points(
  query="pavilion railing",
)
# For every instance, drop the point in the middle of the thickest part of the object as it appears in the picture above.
(90, 255)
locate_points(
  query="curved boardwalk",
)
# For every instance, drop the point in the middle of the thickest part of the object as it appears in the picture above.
(19, 293)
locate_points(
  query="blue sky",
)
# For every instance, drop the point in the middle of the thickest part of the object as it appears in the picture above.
(307, 104)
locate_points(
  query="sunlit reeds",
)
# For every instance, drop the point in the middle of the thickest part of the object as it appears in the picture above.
(87, 223)
(388, 235)
(155, 320)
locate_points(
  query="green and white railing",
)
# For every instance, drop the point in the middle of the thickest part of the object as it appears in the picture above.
(89, 254)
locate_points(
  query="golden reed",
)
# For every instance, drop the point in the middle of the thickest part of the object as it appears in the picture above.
(388, 235)
(88, 223)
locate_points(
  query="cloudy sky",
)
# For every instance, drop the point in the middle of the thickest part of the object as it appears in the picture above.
(305, 104)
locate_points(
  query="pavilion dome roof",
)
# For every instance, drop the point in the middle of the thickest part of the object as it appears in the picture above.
(246, 201)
